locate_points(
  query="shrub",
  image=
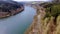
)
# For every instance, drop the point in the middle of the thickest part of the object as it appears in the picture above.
(53, 10)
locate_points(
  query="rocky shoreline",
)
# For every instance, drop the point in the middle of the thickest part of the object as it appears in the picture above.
(8, 9)
(35, 26)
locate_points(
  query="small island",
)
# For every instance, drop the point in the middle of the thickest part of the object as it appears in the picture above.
(10, 8)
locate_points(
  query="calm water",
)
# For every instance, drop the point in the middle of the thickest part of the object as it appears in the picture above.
(19, 23)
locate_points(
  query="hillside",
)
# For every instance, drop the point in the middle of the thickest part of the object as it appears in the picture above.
(10, 8)
(47, 20)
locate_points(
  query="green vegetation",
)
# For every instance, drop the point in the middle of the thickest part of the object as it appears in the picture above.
(53, 10)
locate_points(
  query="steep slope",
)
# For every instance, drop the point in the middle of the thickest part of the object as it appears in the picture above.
(47, 20)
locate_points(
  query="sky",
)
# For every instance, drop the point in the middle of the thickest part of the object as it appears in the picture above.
(30, 0)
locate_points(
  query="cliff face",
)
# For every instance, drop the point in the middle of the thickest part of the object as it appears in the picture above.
(45, 25)
(36, 26)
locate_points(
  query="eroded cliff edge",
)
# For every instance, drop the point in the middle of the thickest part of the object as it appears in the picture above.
(47, 20)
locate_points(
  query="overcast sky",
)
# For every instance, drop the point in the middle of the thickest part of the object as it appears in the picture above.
(30, 0)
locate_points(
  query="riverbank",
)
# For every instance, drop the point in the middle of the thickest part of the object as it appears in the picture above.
(35, 26)
(47, 20)
(9, 9)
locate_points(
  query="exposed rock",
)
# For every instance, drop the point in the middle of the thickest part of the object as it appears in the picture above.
(43, 24)
(10, 8)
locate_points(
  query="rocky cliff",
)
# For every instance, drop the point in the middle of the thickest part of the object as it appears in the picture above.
(47, 20)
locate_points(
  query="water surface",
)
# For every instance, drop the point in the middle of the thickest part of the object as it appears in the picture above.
(17, 24)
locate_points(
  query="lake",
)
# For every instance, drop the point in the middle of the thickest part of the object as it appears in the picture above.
(18, 23)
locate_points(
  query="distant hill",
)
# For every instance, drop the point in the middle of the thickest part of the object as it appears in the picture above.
(10, 7)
